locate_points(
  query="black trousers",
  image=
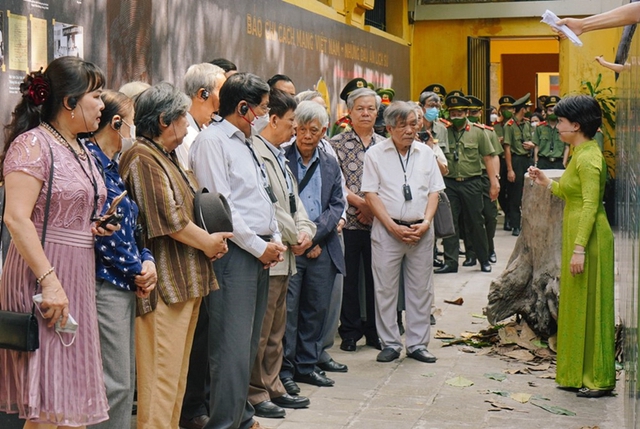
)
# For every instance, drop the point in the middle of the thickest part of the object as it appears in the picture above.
(503, 197)
(520, 164)
(547, 164)
(357, 245)
(467, 203)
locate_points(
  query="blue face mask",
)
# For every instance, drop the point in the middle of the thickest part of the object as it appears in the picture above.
(431, 114)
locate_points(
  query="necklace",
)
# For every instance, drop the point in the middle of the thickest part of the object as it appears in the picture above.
(60, 138)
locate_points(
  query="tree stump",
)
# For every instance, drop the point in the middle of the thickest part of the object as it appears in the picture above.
(530, 284)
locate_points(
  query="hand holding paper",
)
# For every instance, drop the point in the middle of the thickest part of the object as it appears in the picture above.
(550, 18)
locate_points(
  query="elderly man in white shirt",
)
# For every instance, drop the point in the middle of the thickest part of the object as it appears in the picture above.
(401, 181)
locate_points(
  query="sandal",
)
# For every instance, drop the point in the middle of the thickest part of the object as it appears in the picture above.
(585, 392)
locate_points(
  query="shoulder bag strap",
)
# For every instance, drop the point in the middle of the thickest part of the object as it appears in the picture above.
(307, 176)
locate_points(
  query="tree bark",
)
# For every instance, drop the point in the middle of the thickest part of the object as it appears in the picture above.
(529, 286)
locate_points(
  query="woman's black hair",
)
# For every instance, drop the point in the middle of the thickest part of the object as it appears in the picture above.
(280, 102)
(241, 87)
(224, 64)
(537, 115)
(115, 103)
(583, 110)
(65, 77)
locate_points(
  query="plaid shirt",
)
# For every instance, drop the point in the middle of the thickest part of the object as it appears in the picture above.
(350, 151)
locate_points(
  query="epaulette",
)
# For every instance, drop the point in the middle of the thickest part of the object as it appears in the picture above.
(468, 127)
(510, 122)
(445, 122)
(343, 120)
(542, 123)
(483, 126)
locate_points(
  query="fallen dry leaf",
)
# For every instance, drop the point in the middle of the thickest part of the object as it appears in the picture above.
(467, 349)
(441, 335)
(517, 371)
(548, 376)
(495, 376)
(466, 334)
(523, 355)
(541, 367)
(498, 406)
(458, 301)
(459, 382)
(508, 335)
(523, 398)
(526, 333)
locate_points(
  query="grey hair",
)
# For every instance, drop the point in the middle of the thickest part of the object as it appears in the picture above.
(416, 107)
(203, 75)
(362, 92)
(307, 96)
(308, 110)
(426, 96)
(398, 111)
(161, 102)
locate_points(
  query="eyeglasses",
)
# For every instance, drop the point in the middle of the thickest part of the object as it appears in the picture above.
(265, 108)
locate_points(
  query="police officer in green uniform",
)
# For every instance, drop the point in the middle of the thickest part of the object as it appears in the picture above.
(517, 153)
(490, 208)
(468, 145)
(549, 148)
(506, 112)
(344, 124)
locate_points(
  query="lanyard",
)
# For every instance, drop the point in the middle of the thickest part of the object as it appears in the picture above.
(404, 167)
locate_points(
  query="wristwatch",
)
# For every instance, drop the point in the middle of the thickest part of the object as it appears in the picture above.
(498, 176)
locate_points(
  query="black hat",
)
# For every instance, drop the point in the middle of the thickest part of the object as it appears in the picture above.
(437, 88)
(506, 100)
(552, 100)
(456, 100)
(212, 212)
(351, 86)
(476, 103)
(522, 101)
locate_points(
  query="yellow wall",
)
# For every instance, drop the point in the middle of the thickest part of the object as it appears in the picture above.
(439, 52)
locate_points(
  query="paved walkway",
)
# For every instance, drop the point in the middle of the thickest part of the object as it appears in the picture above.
(410, 394)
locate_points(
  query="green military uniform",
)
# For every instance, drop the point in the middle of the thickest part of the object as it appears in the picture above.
(515, 134)
(464, 184)
(550, 147)
(503, 197)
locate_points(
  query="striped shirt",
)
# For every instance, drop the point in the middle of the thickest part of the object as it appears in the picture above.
(159, 187)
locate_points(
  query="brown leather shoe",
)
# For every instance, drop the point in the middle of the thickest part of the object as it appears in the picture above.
(195, 423)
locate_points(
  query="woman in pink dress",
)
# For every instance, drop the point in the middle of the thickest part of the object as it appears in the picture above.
(61, 383)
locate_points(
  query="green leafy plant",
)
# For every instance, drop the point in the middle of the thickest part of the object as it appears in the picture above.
(607, 100)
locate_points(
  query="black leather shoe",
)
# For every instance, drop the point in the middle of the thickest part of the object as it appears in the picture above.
(446, 269)
(197, 422)
(432, 320)
(348, 345)
(438, 262)
(269, 410)
(290, 386)
(314, 378)
(507, 226)
(469, 262)
(485, 267)
(288, 401)
(375, 343)
(515, 232)
(422, 355)
(387, 355)
(493, 258)
(333, 366)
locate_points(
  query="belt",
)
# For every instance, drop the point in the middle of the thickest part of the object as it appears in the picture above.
(550, 158)
(266, 238)
(515, 154)
(406, 222)
(463, 179)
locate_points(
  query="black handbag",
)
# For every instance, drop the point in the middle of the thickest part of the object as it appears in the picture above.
(19, 331)
(443, 226)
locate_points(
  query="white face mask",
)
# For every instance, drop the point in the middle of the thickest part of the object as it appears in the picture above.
(534, 124)
(260, 123)
(493, 117)
(128, 142)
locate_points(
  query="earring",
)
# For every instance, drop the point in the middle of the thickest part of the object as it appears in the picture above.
(73, 115)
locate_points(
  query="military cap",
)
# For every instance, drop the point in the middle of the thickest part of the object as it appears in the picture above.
(351, 86)
(386, 94)
(552, 100)
(543, 98)
(457, 101)
(476, 103)
(437, 88)
(522, 101)
(506, 100)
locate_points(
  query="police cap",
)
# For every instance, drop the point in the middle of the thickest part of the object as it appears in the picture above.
(351, 86)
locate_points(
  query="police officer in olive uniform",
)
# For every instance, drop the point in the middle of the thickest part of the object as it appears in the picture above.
(490, 208)
(549, 148)
(506, 112)
(344, 124)
(468, 145)
(517, 153)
